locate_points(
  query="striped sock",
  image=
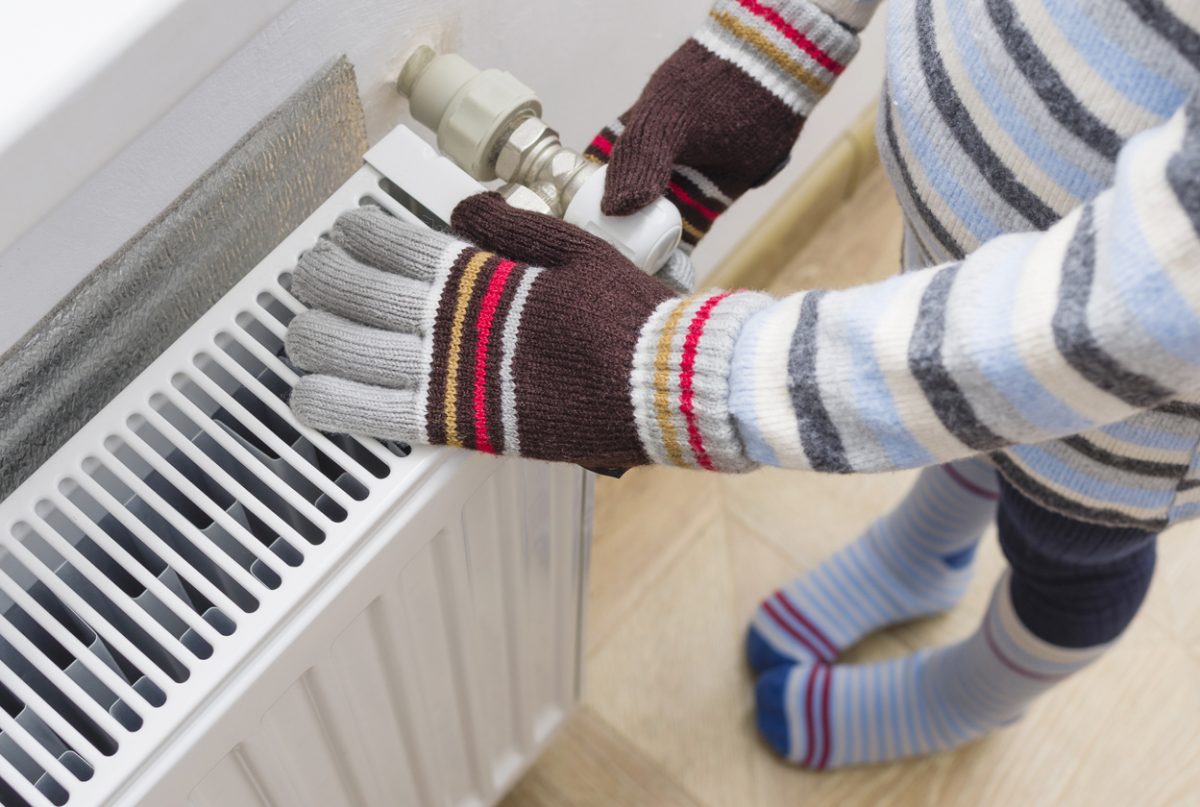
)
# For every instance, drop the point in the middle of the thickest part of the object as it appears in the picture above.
(823, 716)
(913, 562)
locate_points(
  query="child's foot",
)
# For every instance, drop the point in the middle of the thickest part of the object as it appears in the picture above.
(913, 562)
(823, 716)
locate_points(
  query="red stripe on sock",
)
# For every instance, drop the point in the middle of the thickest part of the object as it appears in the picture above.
(487, 313)
(983, 493)
(795, 634)
(602, 144)
(691, 201)
(809, 739)
(687, 371)
(831, 649)
(828, 741)
(1007, 662)
(800, 40)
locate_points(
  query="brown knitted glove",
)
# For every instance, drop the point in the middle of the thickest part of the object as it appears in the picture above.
(545, 343)
(720, 116)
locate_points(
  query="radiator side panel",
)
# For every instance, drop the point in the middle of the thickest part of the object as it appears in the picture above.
(444, 687)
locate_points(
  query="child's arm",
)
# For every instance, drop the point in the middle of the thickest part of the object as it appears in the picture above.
(1033, 336)
(721, 114)
(540, 340)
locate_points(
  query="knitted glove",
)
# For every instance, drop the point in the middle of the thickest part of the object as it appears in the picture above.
(543, 343)
(721, 115)
(678, 273)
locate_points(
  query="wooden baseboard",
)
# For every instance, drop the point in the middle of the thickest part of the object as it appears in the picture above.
(804, 207)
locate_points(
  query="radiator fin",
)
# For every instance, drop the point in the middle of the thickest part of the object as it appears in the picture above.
(158, 570)
(116, 584)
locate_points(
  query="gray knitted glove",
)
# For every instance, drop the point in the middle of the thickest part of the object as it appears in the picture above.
(677, 273)
(579, 357)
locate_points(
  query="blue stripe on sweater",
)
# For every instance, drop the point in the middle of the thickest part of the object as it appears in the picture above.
(1045, 465)
(995, 344)
(1153, 301)
(1072, 177)
(1135, 80)
(876, 406)
(1146, 437)
(931, 158)
(1183, 512)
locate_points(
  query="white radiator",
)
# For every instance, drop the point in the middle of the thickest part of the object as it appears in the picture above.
(206, 603)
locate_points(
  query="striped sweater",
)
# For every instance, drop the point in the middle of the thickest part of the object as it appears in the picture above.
(1046, 154)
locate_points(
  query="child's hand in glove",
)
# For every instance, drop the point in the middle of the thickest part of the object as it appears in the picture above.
(542, 342)
(721, 114)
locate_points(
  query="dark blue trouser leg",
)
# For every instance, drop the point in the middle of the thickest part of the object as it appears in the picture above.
(1074, 584)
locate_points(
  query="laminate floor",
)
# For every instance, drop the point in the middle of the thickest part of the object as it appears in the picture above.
(680, 560)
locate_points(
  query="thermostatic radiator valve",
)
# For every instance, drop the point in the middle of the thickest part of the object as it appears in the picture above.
(490, 125)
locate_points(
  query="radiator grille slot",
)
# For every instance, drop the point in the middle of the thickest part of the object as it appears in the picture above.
(125, 573)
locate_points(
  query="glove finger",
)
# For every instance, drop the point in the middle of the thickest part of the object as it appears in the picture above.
(340, 406)
(522, 235)
(327, 277)
(320, 342)
(375, 237)
(677, 273)
(639, 168)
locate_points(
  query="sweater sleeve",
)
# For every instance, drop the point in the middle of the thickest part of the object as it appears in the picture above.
(1033, 336)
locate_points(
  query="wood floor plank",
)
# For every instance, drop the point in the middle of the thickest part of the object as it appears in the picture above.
(690, 707)
(592, 765)
(860, 244)
(642, 522)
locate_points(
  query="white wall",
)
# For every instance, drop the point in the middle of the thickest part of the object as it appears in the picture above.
(587, 60)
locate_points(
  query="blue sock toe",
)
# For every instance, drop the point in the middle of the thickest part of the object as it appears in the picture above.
(822, 717)
(770, 709)
(760, 655)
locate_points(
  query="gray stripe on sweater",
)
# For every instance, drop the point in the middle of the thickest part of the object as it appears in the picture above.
(931, 221)
(1163, 470)
(1055, 501)
(925, 362)
(1073, 334)
(1183, 169)
(1175, 31)
(1046, 82)
(1122, 22)
(1181, 409)
(1154, 492)
(820, 438)
(958, 121)
(1054, 139)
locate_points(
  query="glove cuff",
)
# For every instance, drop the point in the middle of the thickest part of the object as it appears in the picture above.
(680, 380)
(790, 47)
